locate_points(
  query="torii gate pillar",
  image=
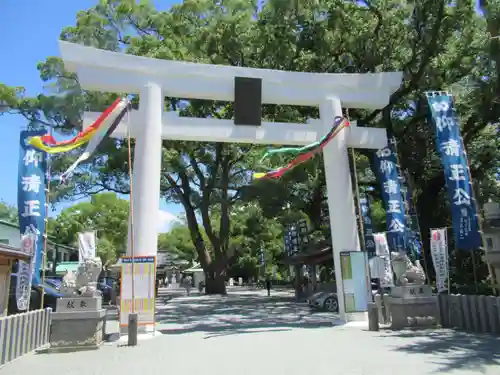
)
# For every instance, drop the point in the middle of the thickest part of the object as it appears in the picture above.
(343, 226)
(147, 174)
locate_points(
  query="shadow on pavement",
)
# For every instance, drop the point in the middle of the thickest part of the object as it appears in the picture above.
(250, 313)
(458, 350)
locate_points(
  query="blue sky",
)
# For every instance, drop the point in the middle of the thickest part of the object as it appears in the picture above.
(30, 30)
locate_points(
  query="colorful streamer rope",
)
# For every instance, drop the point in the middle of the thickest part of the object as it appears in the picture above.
(304, 153)
(48, 143)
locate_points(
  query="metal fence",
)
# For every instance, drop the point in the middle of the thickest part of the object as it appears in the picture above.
(23, 333)
(470, 313)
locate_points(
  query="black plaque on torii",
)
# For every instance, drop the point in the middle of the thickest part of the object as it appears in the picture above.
(247, 101)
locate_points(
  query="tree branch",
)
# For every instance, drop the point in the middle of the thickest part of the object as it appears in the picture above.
(429, 52)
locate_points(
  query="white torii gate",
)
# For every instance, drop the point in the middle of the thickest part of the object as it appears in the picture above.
(154, 79)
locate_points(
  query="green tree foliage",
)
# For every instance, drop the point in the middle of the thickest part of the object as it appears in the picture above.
(105, 213)
(253, 233)
(8, 213)
(437, 46)
(250, 233)
(178, 242)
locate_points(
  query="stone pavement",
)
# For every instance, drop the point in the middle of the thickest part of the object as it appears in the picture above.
(249, 333)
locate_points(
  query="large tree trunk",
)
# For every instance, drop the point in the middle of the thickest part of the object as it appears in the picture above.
(215, 279)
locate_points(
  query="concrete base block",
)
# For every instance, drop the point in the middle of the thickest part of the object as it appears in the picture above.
(356, 317)
(78, 325)
(417, 312)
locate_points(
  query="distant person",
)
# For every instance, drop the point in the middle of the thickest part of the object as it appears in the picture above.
(201, 285)
(188, 283)
(268, 286)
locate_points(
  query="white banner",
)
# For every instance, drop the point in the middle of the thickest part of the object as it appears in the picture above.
(439, 253)
(377, 267)
(382, 250)
(86, 246)
(24, 272)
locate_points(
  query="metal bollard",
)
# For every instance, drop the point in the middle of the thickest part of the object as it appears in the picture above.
(132, 329)
(373, 317)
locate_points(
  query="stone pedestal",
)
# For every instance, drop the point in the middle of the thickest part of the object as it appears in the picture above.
(77, 324)
(413, 306)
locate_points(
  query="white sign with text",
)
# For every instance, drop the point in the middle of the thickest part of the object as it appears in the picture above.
(439, 253)
(382, 251)
(86, 246)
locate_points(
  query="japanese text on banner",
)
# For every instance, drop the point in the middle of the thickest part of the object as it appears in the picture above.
(454, 160)
(31, 196)
(366, 217)
(439, 253)
(387, 171)
(24, 272)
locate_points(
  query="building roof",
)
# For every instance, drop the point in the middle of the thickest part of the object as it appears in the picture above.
(314, 254)
(7, 251)
(62, 267)
(195, 268)
(49, 239)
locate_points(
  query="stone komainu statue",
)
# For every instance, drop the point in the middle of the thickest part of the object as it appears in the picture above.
(407, 272)
(84, 282)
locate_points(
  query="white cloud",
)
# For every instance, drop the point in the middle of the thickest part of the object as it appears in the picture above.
(165, 221)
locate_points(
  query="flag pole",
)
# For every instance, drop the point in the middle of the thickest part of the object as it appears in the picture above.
(410, 183)
(354, 177)
(46, 220)
(132, 248)
(358, 199)
(406, 179)
(479, 225)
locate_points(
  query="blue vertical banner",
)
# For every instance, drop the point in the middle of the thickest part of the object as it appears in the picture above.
(290, 248)
(388, 176)
(457, 175)
(31, 196)
(413, 240)
(366, 217)
(303, 234)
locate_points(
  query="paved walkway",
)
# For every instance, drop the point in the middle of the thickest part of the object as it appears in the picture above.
(249, 333)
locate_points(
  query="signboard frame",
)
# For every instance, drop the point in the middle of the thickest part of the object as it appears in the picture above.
(356, 282)
(144, 306)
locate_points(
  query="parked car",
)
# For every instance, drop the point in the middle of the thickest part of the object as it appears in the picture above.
(105, 285)
(56, 283)
(327, 300)
(51, 295)
(106, 292)
(324, 300)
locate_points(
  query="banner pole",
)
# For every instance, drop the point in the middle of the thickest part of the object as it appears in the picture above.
(46, 222)
(132, 249)
(432, 258)
(358, 202)
(471, 196)
(447, 259)
(479, 225)
(474, 271)
(426, 266)
(133, 318)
